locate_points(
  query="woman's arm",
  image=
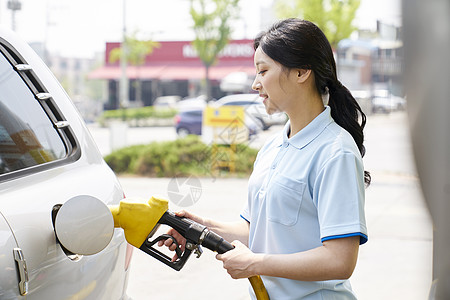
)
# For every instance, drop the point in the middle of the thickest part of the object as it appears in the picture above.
(335, 259)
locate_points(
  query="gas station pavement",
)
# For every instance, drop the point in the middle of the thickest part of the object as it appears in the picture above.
(396, 262)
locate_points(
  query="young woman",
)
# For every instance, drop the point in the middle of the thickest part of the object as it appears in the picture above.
(304, 220)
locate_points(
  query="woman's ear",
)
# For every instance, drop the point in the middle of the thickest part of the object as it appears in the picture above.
(303, 75)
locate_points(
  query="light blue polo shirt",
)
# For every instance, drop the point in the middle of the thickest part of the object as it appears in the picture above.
(304, 190)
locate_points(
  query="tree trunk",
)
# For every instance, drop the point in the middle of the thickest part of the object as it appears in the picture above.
(207, 84)
(139, 88)
(139, 92)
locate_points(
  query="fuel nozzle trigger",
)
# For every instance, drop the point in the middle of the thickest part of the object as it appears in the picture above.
(182, 256)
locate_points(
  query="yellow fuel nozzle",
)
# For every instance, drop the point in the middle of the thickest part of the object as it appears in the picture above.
(138, 219)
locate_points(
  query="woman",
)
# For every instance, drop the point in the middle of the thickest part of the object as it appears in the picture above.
(304, 220)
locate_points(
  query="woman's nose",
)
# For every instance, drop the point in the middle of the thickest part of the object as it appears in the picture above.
(256, 85)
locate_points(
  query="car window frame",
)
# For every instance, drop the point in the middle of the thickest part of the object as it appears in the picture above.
(50, 108)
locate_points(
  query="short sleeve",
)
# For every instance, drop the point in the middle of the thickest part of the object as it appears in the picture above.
(339, 197)
(245, 213)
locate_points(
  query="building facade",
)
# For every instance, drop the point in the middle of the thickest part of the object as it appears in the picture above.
(373, 61)
(174, 68)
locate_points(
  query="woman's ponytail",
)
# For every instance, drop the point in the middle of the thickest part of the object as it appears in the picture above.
(346, 112)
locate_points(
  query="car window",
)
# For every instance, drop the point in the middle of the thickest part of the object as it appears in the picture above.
(197, 113)
(27, 135)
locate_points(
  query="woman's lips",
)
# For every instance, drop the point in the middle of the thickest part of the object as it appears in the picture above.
(263, 97)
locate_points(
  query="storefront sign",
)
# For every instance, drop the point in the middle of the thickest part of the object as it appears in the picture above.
(183, 51)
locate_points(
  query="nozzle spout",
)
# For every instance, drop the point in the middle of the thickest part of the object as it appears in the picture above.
(138, 219)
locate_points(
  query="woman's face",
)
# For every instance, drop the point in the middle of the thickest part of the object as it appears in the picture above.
(274, 84)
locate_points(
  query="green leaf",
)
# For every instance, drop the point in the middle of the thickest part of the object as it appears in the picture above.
(334, 17)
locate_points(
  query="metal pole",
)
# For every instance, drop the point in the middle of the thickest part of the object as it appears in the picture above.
(45, 43)
(13, 20)
(123, 87)
(14, 5)
(118, 130)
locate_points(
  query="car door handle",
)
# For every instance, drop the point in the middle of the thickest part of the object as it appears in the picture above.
(23, 272)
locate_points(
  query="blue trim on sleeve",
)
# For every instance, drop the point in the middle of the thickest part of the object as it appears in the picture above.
(363, 237)
(244, 218)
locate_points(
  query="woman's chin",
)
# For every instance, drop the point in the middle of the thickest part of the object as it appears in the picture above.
(272, 110)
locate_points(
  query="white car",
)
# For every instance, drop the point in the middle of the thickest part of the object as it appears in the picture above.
(166, 102)
(47, 157)
(254, 108)
(385, 102)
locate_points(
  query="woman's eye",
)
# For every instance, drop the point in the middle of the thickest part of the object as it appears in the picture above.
(261, 72)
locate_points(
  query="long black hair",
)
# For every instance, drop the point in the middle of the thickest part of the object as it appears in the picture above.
(300, 44)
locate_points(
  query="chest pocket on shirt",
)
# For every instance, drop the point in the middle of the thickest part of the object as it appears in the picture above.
(284, 198)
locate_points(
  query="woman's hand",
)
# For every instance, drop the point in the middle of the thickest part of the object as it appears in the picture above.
(177, 236)
(240, 262)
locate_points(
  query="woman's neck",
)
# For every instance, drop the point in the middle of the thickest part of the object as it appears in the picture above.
(304, 114)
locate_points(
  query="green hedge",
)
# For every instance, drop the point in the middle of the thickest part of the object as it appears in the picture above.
(182, 157)
(137, 113)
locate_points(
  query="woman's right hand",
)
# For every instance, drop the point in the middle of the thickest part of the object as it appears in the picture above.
(177, 236)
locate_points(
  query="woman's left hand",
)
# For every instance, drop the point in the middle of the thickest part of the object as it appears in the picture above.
(239, 262)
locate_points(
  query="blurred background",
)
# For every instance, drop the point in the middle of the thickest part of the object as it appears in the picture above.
(77, 40)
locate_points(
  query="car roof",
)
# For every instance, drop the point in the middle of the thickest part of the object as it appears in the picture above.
(186, 111)
(236, 97)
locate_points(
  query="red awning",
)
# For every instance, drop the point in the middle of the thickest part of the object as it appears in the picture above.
(182, 73)
(170, 72)
(115, 72)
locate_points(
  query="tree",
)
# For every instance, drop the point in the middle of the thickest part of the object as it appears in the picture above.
(334, 17)
(136, 52)
(212, 30)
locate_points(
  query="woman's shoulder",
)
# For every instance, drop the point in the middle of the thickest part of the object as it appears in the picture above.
(339, 141)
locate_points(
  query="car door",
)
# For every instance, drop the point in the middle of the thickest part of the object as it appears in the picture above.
(46, 158)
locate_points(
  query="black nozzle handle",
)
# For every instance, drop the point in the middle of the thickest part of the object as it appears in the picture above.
(195, 232)
(190, 230)
(177, 265)
(178, 223)
(216, 243)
